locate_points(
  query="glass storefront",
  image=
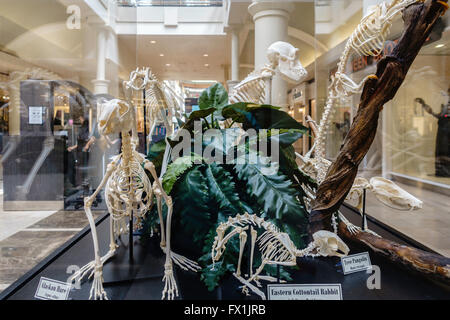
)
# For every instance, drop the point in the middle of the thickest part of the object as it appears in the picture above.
(62, 62)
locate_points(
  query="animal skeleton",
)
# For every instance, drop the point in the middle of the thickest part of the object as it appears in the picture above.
(161, 98)
(385, 190)
(163, 104)
(275, 246)
(128, 191)
(256, 87)
(368, 39)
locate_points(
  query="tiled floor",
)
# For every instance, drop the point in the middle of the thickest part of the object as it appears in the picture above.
(14, 221)
(39, 236)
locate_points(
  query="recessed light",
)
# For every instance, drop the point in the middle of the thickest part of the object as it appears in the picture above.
(161, 54)
(167, 64)
(440, 46)
(153, 41)
(206, 65)
(205, 55)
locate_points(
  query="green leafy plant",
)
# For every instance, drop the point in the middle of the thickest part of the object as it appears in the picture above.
(206, 193)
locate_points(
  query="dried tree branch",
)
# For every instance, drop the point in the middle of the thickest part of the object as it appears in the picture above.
(419, 20)
(430, 264)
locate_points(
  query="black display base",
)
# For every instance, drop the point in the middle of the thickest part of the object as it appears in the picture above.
(142, 279)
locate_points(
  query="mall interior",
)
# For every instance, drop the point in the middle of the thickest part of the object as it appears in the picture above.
(60, 59)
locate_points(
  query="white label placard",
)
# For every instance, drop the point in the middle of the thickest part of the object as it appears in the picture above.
(35, 115)
(304, 291)
(49, 289)
(356, 262)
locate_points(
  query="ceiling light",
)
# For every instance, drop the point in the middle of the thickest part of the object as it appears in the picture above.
(202, 81)
(206, 65)
(205, 55)
(161, 54)
(439, 46)
(153, 41)
(167, 64)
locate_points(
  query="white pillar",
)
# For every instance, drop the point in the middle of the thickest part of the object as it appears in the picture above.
(234, 55)
(271, 25)
(100, 83)
(368, 3)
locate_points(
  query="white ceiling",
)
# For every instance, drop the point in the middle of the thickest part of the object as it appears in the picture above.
(185, 54)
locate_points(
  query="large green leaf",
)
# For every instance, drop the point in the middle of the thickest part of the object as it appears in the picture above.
(197, 116)
(261, 117)
(176, 169)
(273, 192)
(191, 205)
(224, 141)
(222, 188)
(286, 137)
(289, 167)
(214, 97)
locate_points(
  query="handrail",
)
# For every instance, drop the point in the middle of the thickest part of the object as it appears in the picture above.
(170, 3)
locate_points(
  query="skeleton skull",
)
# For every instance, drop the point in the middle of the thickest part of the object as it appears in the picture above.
(114, 116)
(393, 196)
(285, 56)
(329, 244)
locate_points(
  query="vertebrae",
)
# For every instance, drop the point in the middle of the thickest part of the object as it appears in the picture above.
(368, 39)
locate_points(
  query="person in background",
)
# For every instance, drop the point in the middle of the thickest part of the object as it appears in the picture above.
(344, 127)
(57, 120)
(442, 161)
(82, 136)
(80, 151)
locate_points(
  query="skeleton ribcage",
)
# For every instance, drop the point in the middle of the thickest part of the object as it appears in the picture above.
(273, 249)
(252, 89)
(134, 189)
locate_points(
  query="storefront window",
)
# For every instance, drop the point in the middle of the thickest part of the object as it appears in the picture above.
(95, 95)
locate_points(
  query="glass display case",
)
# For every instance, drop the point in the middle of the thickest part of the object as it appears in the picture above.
(93, 90)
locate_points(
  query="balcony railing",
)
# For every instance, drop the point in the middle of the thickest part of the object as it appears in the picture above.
(170, 3)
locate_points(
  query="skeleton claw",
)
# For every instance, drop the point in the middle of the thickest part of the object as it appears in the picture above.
(352, 228)
(80, 274)
(97, 290)
(170, 286)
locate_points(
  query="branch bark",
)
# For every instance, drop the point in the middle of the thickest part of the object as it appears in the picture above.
(419, 20)
(429, 264)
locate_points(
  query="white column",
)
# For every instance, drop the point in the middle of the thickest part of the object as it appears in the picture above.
(271, 25)
(100, 83)
(234, 55)
(368, 3)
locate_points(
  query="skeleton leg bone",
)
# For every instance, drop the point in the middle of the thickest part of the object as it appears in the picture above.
(254, 235)
(97, 286)
(170, 287)
(251, 286)
(242, 242)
